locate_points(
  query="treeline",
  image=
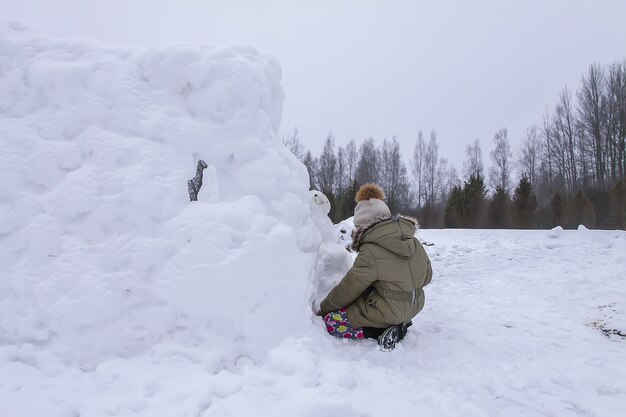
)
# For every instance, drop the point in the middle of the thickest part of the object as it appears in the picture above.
(340, 170)
(569, 170)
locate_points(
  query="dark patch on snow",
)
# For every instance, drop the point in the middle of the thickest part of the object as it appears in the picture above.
(609, 312)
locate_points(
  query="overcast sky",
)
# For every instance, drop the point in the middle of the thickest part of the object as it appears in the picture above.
(378, 68)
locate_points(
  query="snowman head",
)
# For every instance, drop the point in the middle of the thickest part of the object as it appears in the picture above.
(319, 202)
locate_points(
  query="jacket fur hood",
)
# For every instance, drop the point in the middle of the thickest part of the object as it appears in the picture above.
(359, 233)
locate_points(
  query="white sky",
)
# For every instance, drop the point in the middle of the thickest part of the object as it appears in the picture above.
(379, 68)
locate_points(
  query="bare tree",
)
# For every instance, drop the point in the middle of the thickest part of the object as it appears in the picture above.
(616, 120)
(565, 141)
(473, 165)
(584, 157)
(500, 171)
(327, 167)
(451, 180)
(393, 175)
(529, 157)
(351, 156)
(446, 174)
(293, 143)
(340, 173)
(547, 165)
(417, 165)
(591, 115)
(430, 170)
(435, 172)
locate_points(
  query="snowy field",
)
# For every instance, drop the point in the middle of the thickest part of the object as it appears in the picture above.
(119, 297)
(512, 327)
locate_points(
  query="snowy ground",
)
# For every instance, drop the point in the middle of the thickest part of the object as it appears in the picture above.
(508, 330)
(119, 297)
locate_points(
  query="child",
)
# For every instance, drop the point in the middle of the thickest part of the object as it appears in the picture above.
(383, 290)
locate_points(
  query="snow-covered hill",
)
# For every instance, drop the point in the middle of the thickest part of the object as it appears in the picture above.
(103, 256)
(119, 297)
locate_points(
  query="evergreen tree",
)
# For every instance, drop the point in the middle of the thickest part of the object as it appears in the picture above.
(453, 212)
(525, 204)
(473, 201)
(368, 167)
(580, 211)
(465, 205)
(498, 208)
(557, 207)
(346, 202)
(600, 200)
(618, 205)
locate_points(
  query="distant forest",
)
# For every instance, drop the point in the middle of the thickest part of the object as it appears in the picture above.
(570, 168)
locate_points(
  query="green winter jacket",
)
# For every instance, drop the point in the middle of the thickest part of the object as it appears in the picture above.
(384, 286)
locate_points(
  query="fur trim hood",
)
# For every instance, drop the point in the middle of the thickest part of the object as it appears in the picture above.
(359, 233)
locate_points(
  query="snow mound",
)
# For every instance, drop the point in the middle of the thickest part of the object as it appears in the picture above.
(102, 254)
(333, 259)
(555, 232)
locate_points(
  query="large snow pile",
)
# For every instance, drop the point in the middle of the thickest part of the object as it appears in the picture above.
(103, 255)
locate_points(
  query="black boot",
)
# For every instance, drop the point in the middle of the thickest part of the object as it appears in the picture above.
(403, 329)
(372, 332)
(388, 339)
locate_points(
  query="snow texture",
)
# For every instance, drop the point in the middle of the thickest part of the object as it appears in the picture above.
(119, 297)
(103, 256)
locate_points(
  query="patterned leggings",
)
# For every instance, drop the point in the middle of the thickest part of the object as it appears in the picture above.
(337, 324)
